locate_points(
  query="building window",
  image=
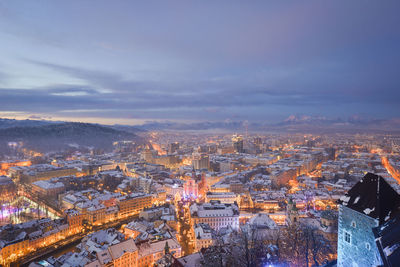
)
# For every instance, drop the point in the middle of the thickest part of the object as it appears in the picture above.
(353, 224)
(347, 237)
(367, 246)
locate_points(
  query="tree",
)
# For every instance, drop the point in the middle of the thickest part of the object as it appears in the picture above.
(303, 244)
(246, 247)
(290, 245)
(299, 244)
(216, 255)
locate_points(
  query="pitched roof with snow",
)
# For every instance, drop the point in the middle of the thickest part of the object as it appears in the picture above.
(374, 197)
(118, 250)
(388, 241)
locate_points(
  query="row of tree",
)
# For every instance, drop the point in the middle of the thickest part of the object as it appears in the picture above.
(295, 245)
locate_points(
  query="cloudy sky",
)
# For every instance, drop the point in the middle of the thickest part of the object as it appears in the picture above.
(130, 62)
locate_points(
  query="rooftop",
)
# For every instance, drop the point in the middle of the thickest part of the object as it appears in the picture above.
(374, 197)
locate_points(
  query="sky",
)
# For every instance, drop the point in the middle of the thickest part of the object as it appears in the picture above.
(130, 62)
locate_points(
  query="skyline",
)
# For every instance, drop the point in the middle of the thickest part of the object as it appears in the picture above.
(182, 61)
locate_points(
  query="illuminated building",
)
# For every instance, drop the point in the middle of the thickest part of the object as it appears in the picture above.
(266, 204)
(173, 147)
(226, 150)
(215, 214)
(101, 208)
(5, 166)
(167, 160)
(17, 240)
(75, 220)
(148, 155)
(191, 189)
(7, 188)
(47, 188)
(156, 213)
(150, 252)
(204, 235)
(200, 161)
(223, 197)
(278, 217)
(237, 142)
(122, 254)
(38, 172)
(134, 203)
(292, 212)
(173, 190)
(236, 187)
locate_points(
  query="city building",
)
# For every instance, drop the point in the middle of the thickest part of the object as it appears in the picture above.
(173, 147)
(205, 236)
(237, 142)
(200, 161)
(387, 238)
(150, 252)
(17, 240)
(216, 214)
(7, 188)
(223, 197)
(191, 189)
(47, 188)
(368, 204)
(132, 204)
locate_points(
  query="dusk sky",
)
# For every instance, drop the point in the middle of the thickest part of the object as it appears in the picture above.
(136, 61)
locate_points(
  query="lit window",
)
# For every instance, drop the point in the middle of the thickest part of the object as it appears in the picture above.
(347, 237)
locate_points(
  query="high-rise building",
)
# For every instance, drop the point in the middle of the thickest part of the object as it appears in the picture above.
(237, 142)
(200, 161)
(173, 147)
(257, 140)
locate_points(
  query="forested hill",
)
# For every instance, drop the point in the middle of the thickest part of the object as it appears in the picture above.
(54, 137)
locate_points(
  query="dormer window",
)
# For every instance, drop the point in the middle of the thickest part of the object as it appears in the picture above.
(353, 224)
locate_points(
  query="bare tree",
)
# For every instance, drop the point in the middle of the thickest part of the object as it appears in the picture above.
(216, 255)
(299, 244)
(303, 244)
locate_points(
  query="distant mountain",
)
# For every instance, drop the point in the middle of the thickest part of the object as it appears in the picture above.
(128, 128)
(198, 126)
(53, 137)
(299, 119)
(294, 123)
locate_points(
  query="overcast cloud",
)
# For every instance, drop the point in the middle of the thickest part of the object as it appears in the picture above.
(199, 61)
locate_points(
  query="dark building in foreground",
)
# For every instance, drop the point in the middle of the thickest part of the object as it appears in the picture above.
(387, 237)
(369, 204)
